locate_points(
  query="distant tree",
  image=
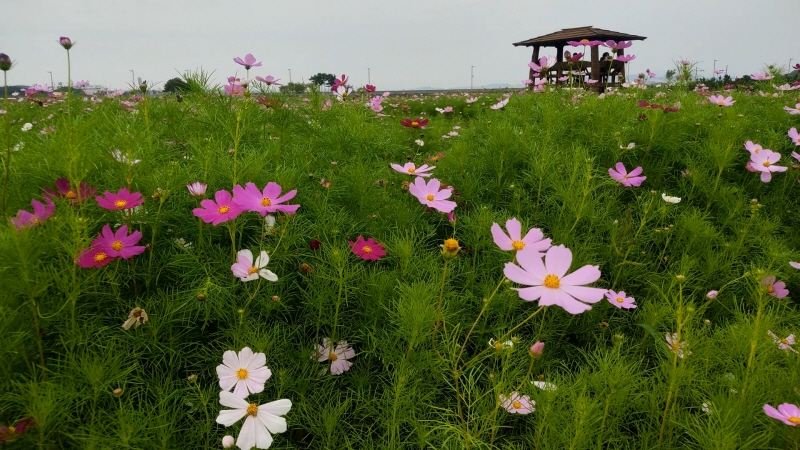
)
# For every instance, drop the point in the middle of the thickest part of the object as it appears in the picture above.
(670, 75)
(294, 88)
(175, 85)
(323, 79)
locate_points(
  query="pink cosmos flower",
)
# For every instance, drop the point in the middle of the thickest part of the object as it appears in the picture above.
(430, 195)
(66, 42)
(794, 136)
(119, 244)
(793, 111)
(264, 202)
(752, 147)
(269, 80)
(248, 61)
(614, 45)
(549, 283)
(777, 290)
(711, 295)
(11, 433)
(75, 197)
(545, 62)
(675, 346)
(234, 89)
(41, 212)
(95, 256)
(501, 104)
(722, 101)
(764, 161)
(119, 201)
(337, 82)
(786, 413)
(584, 42)
(784, 344)
(410, 169)
(619, 299)
(626, 58)
(223, 210)
(622, 176)
(367, 249)
(796, 265)
(537, 349)
(761, 76)
(517, 404)
(245, 372)
(369, 88)
(533, 241)
(246, 270)
(197, 189)
(339, 357)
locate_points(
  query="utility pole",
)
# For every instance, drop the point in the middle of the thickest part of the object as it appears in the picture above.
(715, 67)
(133, 79)
(52, 86)
(471, 76)
(290, 75)
(369, 82)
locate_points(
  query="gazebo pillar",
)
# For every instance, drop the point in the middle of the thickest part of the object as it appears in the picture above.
(560, 60)
(535, 59)
(595, 73)
(622, 74)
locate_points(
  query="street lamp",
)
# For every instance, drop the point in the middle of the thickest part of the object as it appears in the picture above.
(471, 76)
(715, 67)
(290, 75)
(52, 86)
(133, 79)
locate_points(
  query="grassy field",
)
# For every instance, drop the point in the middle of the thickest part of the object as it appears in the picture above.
(436, 342)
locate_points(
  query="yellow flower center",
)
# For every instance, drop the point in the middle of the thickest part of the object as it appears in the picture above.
(429, 197)
(516, 404)
(252, 409)
(241, 374)
(784, 341)
(498, 346)
(620, 300)
(583, 41)
(100, 256)
(415, 124)
(411, 170)
(120, 203)
(116, 245)
(518, 245)
(720, 102)
(766, 164)
(252, 270)
(367, 249)
(552, 282)
(451, 245)
(332, 357)
(236, 91)
(71, 195)
(793, 419)
(224, 209)
(266, 201)
(675, 346)
(770, 289)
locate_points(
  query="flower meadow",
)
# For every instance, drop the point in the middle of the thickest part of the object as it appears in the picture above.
(542, 269)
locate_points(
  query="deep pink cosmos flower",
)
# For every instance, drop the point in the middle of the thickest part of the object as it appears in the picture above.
(627, 179)
(777, 290)
(794, 136)
(549, 283)
(764, 162)
(339, 82)
(414, 123)
(223, 210)
(626, 58)
(614, 45)
(12, 432)
(619, 299)
(786, 413)
(722, 101)
(263, 202)
(367, 249)
(584, 42)
(516, 403)
(430, 195)
(269, 80)
(121, 200)
(534, 240)
(41, 212)
(75, 196)
(197, 189)
(369, 88)
(248, 61)
(119, 244)
(95, 256)
(410, 169)
(339, 357)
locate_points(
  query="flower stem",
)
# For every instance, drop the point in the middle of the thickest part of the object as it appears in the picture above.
(674, 372)
(753, 343)
(439, 313)
(7, 162)
(475, 358)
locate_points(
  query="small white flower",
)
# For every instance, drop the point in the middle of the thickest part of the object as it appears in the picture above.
(260, 422)
(247, 371)
(670, 199)
(545, 386)
(630, 146)
(123, 158)
(500, 345)
(672, 343)
(27, 127)
(247, 270)
(136, 317)
(419, 142)
(784, 344)
(707, 408)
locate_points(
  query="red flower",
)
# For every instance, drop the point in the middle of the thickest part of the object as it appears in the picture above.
(367, 249)
(414, 123)
(314, 244)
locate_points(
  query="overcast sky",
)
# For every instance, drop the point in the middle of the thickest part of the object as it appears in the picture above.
(406, 44)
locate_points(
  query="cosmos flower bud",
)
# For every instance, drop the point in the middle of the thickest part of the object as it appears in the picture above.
(5, 62)
(66, 42)
(712, 295)
(450, 248)
(143, 86)
(537, 349)
(117, 392)
(192, 378)
(680, 278)
(228, 442)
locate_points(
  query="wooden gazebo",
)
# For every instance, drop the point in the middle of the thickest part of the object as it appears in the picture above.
(592, 67)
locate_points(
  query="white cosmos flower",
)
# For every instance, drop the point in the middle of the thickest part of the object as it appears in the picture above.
(545, 386)
(630, 146)
(247, 371)
(260, 422)
(670, 199)
(123, 158)
(247, 270)
(27, 127)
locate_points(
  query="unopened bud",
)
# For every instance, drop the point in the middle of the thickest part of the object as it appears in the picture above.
(228, 442)
(117, 392)
(680, 278)
(192, 378)
(537, 349)
(450, 248)
(712, 295)
(275, 298)
(201, 297)
(5, 62)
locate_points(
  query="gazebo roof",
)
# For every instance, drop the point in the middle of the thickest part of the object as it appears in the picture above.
(576, 34)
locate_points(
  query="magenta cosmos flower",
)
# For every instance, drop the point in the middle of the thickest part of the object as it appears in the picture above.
(247, 270)
(119, 244)
(584, 42)
(339, 82)
(625, 178)
(619, 299)
(777, 290)
(764, 162)
(263, 202)
(411, 169)
(549, 282)
(12, 432)
(121, 200)
(339, 357)
(614, 45)
(430, 195)
(41, 212)
(533, 241)
(223, 210)
(794, 136)
(414, 123)
(245, 372)
(248, 61)
(75, 196)
(722, 101)
(269, 80)
(517, 404)
(367, 249)
(95, 256)
(786, 413)
(626, 58)
(544, 63)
